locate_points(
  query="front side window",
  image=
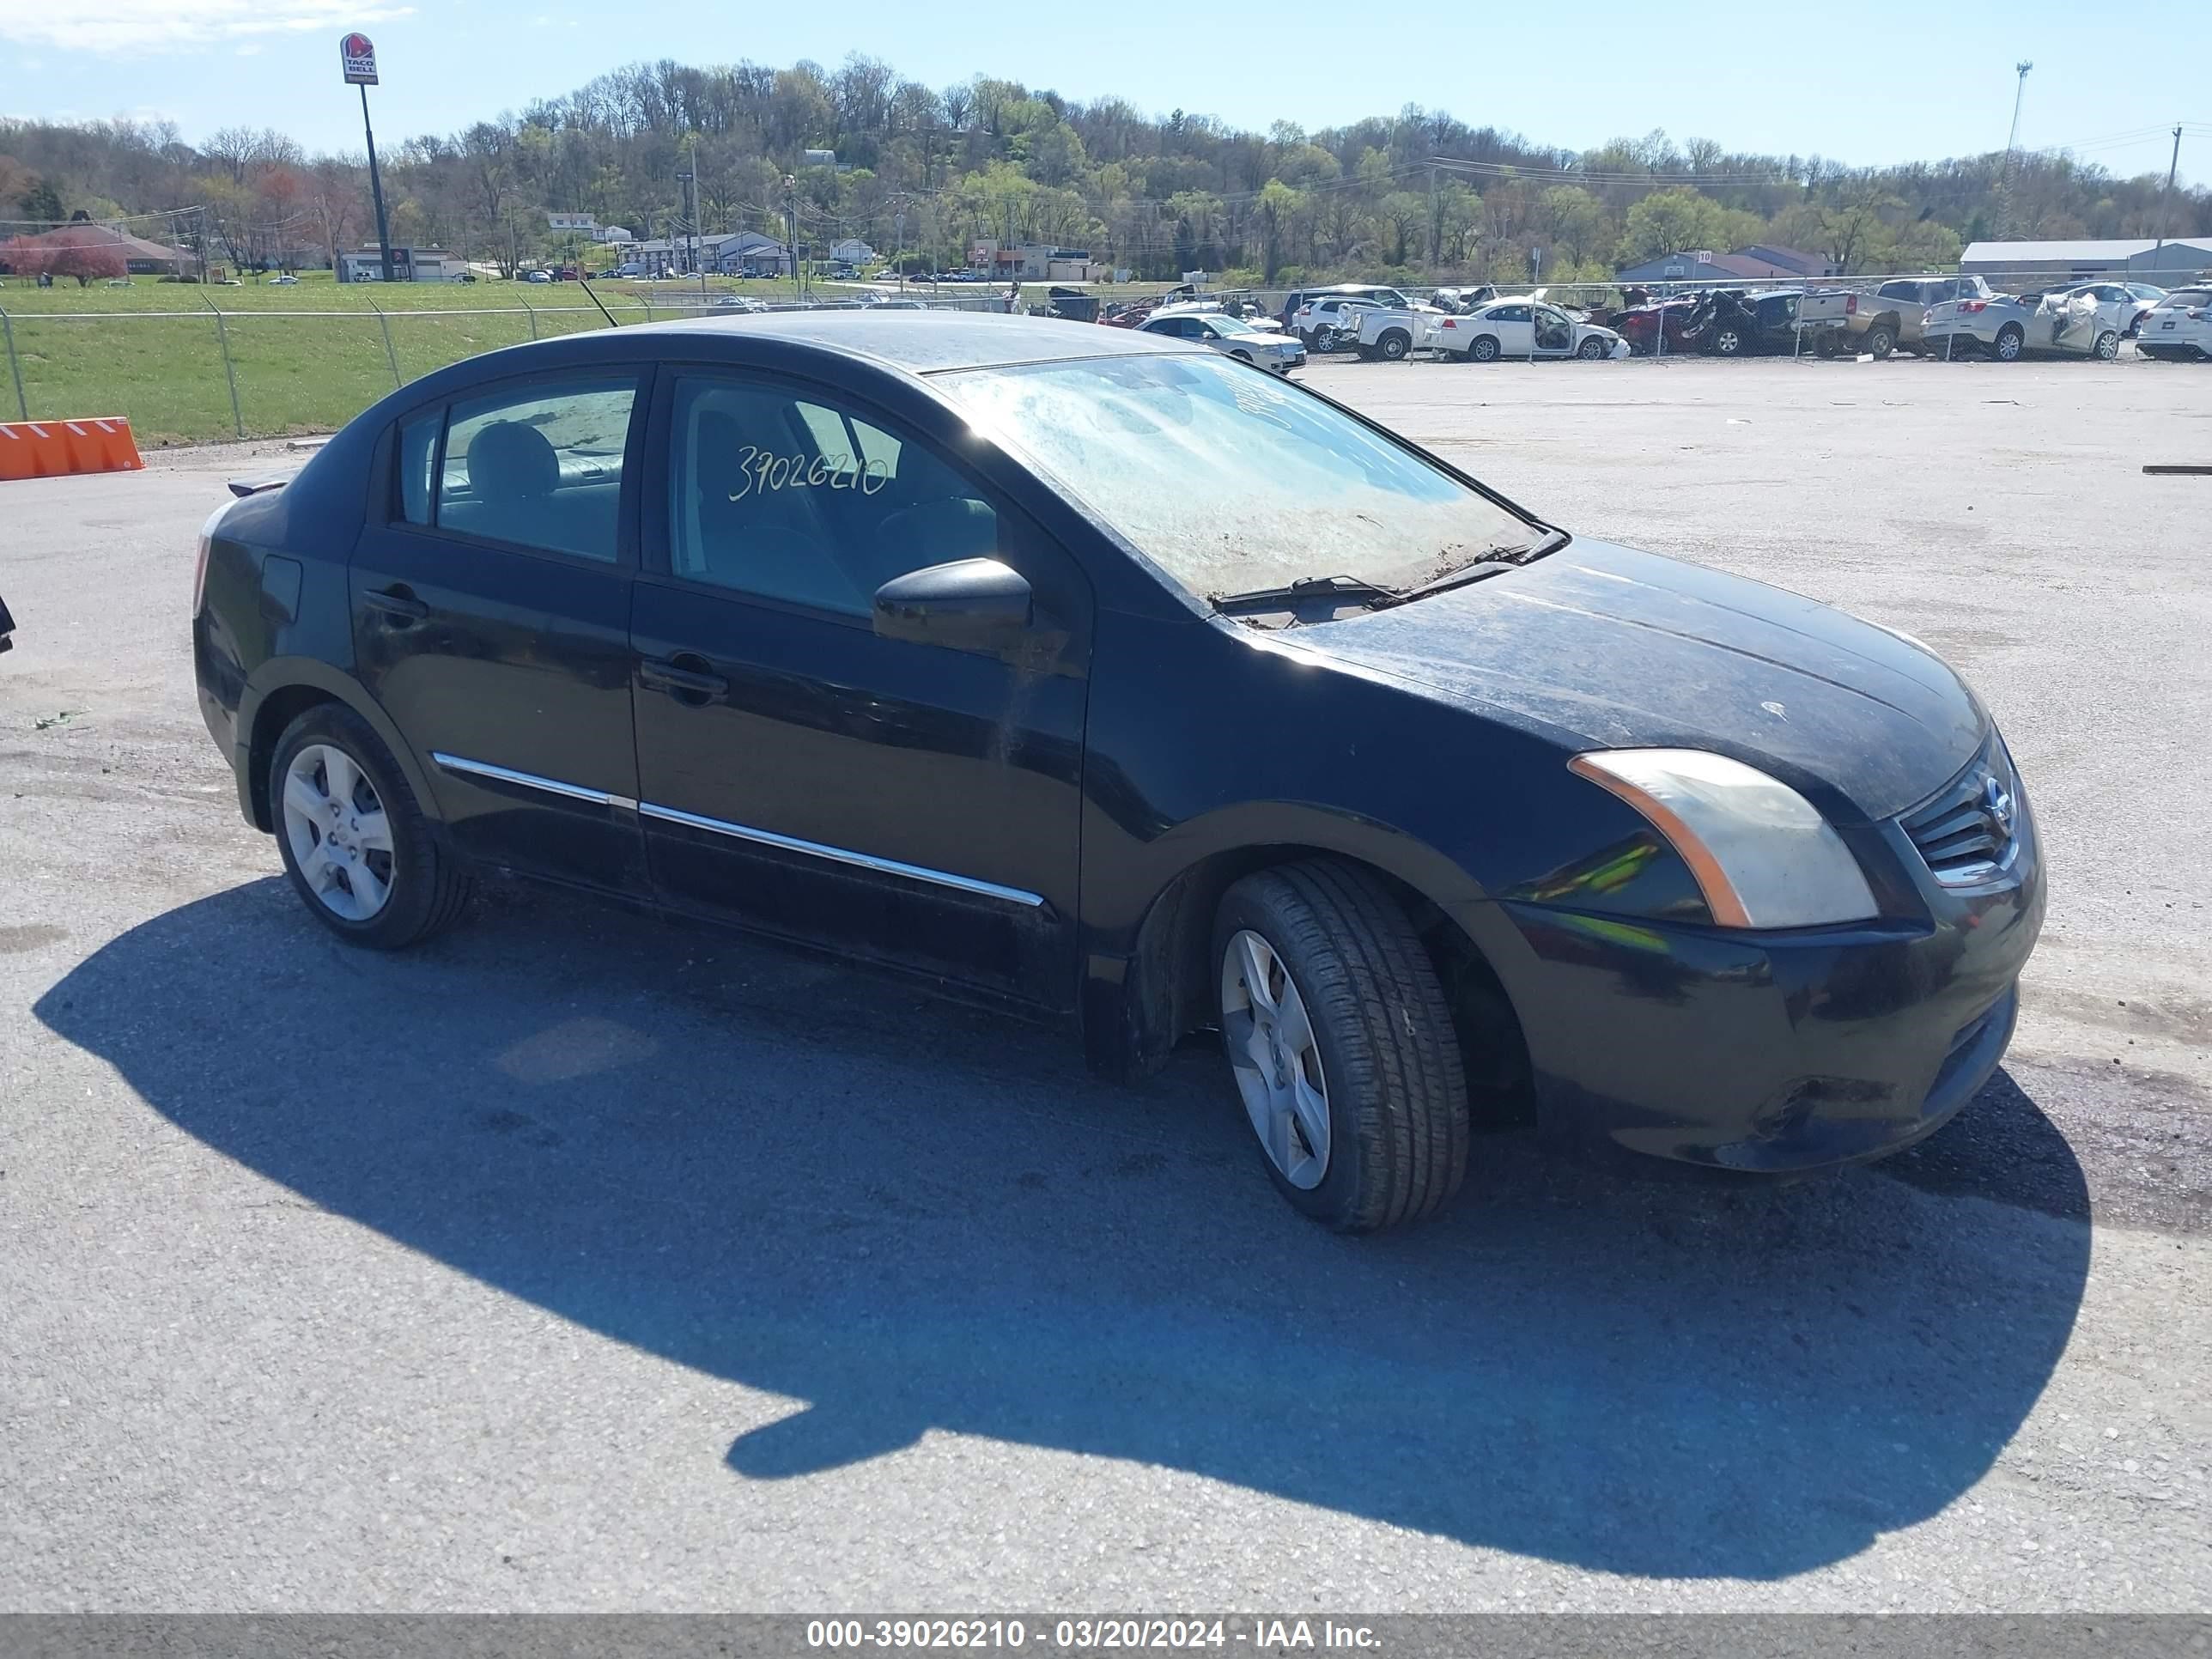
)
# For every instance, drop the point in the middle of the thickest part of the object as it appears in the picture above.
(539, 466)
(1229, 481)
(794, 499)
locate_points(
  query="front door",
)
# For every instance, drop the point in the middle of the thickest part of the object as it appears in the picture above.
(1555, 335)
(491, 620)
(903, 802)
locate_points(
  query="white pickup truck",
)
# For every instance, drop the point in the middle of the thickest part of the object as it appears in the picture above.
(1394, 333)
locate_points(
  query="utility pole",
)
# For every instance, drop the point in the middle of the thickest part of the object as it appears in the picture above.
(791, 226)
(1435, 221)
(2012, 141)
(898, 235)
(2171, 167)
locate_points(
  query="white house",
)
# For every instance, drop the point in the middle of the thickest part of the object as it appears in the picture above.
(853, 252)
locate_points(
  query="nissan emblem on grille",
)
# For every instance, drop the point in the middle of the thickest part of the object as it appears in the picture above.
(1998, 800)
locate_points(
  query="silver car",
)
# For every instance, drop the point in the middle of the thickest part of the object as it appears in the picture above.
(1262, 347)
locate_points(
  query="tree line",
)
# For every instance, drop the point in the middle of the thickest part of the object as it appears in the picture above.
(928, 172)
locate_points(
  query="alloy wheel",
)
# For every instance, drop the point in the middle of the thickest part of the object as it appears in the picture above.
(1275, 1059)
(339, 834)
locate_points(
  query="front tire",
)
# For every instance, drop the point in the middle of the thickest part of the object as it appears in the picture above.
(359, 852)
(1591, 350)
(1342, 1046)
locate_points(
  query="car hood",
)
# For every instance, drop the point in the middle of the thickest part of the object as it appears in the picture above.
(1606, 647)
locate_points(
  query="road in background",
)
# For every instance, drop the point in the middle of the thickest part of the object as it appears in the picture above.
(580, 1261)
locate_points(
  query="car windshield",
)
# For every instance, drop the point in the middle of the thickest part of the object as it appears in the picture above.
(1228, 325)
(1232, 481)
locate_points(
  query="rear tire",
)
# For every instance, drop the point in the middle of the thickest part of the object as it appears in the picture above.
(1881, 340)
(427, 887)
(1483, 351)
(2107, 349)
(1395, 345)
(2010, 339)
(1360, 1021)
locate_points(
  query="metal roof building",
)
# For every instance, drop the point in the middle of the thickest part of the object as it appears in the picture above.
(2086, 260)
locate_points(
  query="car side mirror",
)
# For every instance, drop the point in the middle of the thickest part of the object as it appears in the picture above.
(969, 604)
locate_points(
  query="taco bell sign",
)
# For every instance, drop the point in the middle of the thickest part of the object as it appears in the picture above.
(358, 52)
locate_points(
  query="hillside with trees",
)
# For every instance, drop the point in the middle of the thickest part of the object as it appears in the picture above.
(1421, 195)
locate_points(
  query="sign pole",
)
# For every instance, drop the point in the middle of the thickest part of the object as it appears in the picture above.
(376, 189)
(358, 57)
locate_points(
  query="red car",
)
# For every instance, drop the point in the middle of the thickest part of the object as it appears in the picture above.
(1639, 325)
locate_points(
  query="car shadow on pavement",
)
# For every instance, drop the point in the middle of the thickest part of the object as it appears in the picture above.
(916, 1216)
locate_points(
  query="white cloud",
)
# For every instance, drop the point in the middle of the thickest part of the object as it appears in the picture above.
(132, 26)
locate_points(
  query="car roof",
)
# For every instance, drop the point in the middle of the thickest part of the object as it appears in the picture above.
(923, 342)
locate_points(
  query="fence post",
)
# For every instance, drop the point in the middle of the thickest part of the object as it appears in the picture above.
(649, 309)
(389, 355)
(533, 310)
(230, 369)
(15, 367)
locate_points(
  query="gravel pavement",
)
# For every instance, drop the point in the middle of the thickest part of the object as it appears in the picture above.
(581, 1260)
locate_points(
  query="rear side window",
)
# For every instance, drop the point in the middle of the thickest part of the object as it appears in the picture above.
(418, 453)
(2184, 298)
(539, 466)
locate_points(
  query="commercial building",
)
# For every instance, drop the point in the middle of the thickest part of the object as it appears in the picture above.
(1760, 262)
(409, 264)
(2062, 262)
(1036, 262)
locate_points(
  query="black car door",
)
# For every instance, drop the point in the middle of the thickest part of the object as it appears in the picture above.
(799, 773)
(491, 602)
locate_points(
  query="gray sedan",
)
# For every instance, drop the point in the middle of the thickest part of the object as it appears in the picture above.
(1261, 346)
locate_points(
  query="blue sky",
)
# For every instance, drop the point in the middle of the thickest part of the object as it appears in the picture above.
(2099, 85)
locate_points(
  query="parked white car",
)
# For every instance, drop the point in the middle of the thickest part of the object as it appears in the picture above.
(1329, 323)
(2179, 326)
(1523, 327)
(1262, 347)
(2083, 321)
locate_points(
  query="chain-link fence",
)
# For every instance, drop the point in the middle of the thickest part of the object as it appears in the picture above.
(191, 376)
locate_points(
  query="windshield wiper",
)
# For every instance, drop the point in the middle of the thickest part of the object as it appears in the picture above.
(1306, 587)
(1496, 562)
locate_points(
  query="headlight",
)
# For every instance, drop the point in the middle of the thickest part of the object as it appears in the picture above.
(1761, 852)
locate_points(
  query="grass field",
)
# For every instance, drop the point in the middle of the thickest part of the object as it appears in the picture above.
(303, 359)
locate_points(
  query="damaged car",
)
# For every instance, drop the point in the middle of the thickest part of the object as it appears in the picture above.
(1093, 676)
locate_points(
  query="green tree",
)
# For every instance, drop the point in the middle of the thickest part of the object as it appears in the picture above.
(1403, 215)
(1280, 207)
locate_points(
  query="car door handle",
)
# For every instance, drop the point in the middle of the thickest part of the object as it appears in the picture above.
(397, 604)
(683, 683)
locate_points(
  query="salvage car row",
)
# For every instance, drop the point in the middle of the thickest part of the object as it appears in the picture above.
(1934, 317)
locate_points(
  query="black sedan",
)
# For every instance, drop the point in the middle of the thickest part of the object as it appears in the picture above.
(1129, 685)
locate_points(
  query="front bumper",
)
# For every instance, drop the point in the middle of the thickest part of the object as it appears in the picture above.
(1776, 1052)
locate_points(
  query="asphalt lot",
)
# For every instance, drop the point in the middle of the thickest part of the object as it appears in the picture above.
(581, 1261)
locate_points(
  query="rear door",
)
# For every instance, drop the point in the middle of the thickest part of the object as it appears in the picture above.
(1511, 324)
(491, 602)
(898, 801)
